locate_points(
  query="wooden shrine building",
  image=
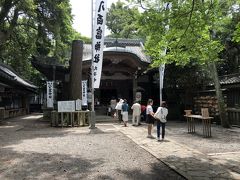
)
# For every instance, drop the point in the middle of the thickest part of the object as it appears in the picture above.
(15, 93)
(124, 64)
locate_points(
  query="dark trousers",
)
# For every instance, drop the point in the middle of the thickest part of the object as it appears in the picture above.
(159, 124)
(119, 115)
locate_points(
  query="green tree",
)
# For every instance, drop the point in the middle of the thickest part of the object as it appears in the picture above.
(122, 21)
(35, 27)
(193, 35)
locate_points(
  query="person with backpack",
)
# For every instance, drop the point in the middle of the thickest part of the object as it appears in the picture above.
(125, 112)
(161, 117)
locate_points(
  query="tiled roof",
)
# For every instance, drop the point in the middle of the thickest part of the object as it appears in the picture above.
(230, 79)
(122, 42)
(11, 75)
(123, 45)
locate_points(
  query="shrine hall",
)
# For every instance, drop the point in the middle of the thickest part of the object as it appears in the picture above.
(123, 71)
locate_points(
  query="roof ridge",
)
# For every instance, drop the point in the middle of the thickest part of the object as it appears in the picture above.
(15, 75)
(228, 75)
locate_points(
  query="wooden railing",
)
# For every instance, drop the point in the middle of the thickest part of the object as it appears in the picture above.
(10, 113)
(64, 119)
(234, 116)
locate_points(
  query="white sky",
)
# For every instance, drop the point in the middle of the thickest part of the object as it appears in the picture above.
(81, 9)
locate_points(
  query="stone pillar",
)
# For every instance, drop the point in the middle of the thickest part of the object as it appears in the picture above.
(75, 88)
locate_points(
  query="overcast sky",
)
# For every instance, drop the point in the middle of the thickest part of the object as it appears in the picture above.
(81, 9)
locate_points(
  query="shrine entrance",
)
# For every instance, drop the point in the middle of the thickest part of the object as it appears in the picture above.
(124, 64)
(107, 94)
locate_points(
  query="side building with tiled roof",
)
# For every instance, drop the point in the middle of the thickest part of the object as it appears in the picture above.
(14, 93)
(230, 85)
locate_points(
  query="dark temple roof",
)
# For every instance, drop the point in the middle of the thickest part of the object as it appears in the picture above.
(230, 79)
(110, 42)
(9, 76)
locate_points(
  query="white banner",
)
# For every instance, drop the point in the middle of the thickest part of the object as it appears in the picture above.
(161, 78)
(84, 92)
(98, 40)
(50, 94)
(161, 72)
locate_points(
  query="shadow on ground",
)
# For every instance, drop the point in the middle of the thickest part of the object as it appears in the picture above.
(214, 170)
(45, 166)
(155, 173)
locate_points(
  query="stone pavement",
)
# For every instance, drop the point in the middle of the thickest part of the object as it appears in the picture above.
(181, 157)
(190, 163)
(31, 149)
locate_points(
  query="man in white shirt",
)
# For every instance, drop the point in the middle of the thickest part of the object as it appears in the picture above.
(136, 107)
(119, 109)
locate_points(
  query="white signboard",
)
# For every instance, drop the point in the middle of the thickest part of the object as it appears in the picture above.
(66, 106)
(50, 94)
(84, 92)
(138, 96)
(98, 40)
(78, 105)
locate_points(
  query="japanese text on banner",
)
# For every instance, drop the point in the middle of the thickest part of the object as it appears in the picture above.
(98, 40)
(50, 94)
(84, 92)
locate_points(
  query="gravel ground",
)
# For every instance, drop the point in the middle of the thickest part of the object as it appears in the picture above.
(223, 140)
(29, 149)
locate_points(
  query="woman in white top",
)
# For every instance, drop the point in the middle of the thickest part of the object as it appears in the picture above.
(149, 118)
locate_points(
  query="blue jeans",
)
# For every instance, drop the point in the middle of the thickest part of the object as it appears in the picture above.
(159, 124)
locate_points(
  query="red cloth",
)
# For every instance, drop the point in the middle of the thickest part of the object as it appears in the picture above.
(143, 108)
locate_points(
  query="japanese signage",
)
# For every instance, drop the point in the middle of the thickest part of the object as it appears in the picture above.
(98, 40)
(50, 94)
(84, 92)
(78, 105)
(66, 106)
(138, 96)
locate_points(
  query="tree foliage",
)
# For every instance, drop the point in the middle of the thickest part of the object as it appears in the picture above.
(193, 30)
(122, 20)
(35, 27)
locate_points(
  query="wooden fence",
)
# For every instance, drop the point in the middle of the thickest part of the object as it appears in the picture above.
(65, 119)
(10, 113)
(234, 116)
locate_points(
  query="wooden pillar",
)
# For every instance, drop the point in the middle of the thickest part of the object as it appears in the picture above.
(134, 86)
(25, 104)
(75, 88)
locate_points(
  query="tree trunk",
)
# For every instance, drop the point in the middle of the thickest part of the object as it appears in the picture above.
(221, 105)
(75, 89)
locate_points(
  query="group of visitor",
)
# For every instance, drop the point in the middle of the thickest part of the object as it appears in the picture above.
(120, 110)
(159, 116)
